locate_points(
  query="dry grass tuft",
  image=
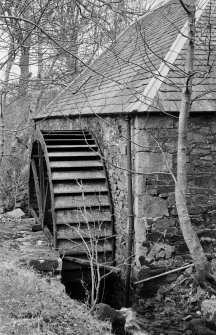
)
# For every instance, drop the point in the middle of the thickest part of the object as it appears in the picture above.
(29, 305)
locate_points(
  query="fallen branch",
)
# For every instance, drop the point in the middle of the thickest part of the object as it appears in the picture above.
(163, 274)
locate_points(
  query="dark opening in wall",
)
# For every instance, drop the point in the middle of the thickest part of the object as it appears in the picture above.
(78, 285)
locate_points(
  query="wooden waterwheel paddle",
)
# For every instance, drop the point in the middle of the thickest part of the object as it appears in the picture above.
(69, 193)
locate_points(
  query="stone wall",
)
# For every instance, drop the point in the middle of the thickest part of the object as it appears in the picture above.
(161, 243)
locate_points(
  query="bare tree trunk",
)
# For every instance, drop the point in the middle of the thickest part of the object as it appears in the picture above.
(190, 236)
(1, 128)
(24, 67)
(3, 97)
(40, 69)
(24, 79)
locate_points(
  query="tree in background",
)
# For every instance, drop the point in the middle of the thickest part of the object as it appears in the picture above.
(44, 45)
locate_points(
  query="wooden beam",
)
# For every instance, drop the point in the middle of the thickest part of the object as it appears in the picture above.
(48, 234)
(37, 188)
(33, 213)
(163, 274)
(45, 200)
(84, 231)
(70, 201)
(84, 247)
(85, 262)
(42, 187)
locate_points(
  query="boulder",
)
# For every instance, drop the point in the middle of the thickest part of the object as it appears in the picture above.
(36, 227)
(106, 313)
(15, 214)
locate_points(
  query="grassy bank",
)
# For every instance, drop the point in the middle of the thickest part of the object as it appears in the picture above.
(32, 305)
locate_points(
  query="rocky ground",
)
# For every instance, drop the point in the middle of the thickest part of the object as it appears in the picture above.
(34, 305)
(176, 308)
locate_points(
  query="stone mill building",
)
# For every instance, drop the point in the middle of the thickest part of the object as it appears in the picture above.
(132, 93)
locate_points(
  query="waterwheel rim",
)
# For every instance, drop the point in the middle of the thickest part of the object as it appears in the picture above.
(40, 185)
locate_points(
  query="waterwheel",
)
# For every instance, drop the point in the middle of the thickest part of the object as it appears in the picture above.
(69, 193)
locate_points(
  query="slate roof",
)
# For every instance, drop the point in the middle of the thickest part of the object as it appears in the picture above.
(128, 70)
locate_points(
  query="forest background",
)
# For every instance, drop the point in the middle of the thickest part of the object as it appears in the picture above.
(44, 45)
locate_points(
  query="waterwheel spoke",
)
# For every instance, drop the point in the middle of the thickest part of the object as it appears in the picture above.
(45, 200)
(33, 213)
(41, 181)
(38, 193)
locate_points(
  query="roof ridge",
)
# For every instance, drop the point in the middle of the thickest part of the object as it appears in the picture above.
(146, 98)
